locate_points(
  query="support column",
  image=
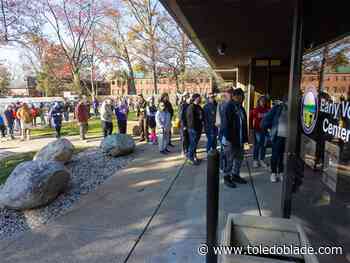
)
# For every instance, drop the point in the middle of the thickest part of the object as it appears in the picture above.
(291, 155)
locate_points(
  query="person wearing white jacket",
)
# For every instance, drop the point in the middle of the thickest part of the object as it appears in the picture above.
(163, 128)
(107, 117)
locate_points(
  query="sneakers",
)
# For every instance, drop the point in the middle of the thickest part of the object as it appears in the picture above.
(273, 178)
(163, 152)
(238, 179)
(280, 177)
(255, 164)
(228, 182)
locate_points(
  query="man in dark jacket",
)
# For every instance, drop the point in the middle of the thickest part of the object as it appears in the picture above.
(141, 114)
(194, 120)
(235, 135)
(209, 122)
(183, 126)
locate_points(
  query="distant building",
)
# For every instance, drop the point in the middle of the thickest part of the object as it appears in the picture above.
(145, 86)
(26, 88)
(29, 88)
(335, 83)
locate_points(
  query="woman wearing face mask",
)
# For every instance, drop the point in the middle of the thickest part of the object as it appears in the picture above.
(163, 128)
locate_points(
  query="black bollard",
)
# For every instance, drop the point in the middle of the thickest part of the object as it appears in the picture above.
(212, 203)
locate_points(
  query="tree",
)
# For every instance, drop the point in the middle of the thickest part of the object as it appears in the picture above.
(72, 22)
(48, 62)
(5, 80)
(178, 51)
(148, 19)
(17, 19)
(120, 43)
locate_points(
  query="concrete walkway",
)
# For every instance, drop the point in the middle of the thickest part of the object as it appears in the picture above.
(152, 211)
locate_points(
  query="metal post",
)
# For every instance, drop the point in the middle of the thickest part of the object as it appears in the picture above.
(293, 109)
(212, 203)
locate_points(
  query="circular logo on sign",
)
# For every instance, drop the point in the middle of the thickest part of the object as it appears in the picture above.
(309, 111)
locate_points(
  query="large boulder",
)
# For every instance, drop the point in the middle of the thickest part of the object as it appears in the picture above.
(118, 145)
(60, 150)
(34, 184)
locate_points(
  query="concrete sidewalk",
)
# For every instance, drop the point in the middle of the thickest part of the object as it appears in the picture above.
(152, 211)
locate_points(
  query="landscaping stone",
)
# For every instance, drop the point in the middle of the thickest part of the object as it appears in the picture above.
(60, 150)
(33, 184)
(118, 145)
(88, 170)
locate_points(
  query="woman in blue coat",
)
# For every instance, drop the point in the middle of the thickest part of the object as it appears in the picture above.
(55, 115)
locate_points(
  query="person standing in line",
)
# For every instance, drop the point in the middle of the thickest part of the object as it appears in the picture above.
(226, 97)
(66, 109)
(194, 120)
(82, 116)
(235, 135)
(151, 111)
(259, 148)
(141, 114)
(183, 126)
(56, 118)
(121, 113)
(95, 105)
(277, 120)
(34, 112)
(209, 122)
(107, 117)
(163, 128)
(169, 108)
(2, 127)
(25, 117)
(9, 121)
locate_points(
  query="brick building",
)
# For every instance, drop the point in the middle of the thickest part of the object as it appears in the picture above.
(144, 85)
(336, 84)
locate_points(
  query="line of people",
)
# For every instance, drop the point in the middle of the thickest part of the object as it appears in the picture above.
(226, 123)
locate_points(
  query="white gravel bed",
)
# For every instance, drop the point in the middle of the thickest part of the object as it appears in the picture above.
(88, 169)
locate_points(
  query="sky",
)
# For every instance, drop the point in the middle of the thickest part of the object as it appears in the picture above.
(11, 57)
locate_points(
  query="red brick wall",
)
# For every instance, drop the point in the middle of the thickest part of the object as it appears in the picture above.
(146, 87)
(336, 84)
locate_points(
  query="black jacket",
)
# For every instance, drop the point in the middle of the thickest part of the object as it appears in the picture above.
(235, 128)
(194, 117)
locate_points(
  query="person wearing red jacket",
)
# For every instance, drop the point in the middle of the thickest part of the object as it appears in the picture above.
(82, 114)
(259, 149)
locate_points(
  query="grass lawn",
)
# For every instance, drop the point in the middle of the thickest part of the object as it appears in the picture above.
(69, 129)
(72, 128)
(9, 163)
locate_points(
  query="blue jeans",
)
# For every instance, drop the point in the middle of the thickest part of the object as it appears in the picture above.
(259, 146)
(194, 137)
(212, 139)
(278, 146)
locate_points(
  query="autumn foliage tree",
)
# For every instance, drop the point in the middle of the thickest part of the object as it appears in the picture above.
(72, 22)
